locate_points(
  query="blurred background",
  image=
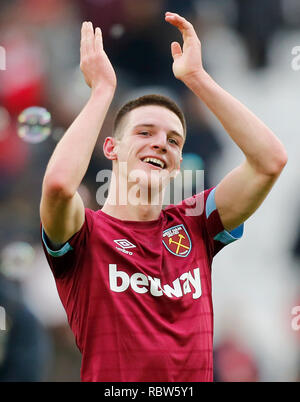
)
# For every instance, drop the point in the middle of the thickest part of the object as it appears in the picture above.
(248, 49)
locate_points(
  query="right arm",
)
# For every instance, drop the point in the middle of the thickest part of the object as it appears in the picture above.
(61, 208)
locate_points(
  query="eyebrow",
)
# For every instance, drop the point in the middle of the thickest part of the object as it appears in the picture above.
(153, 125)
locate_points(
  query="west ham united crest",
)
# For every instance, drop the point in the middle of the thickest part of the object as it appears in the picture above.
(177, 241)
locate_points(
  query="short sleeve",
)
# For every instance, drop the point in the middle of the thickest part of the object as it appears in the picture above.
(218, 235)
(202, 207)
(69, 255)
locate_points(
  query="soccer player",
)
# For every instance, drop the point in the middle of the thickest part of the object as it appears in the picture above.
(135, 280)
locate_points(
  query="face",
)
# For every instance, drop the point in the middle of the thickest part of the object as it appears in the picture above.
(152, 141)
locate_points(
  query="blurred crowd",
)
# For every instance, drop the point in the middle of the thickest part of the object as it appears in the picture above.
(41, 41)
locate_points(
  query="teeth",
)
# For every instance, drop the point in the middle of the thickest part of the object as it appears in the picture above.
(154, 160)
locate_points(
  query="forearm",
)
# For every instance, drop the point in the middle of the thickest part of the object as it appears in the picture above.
(71, 157)
(263, 150)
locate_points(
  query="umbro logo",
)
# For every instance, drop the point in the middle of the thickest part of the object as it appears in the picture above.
(124, 244)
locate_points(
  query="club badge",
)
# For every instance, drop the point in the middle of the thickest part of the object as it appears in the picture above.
(177, 241)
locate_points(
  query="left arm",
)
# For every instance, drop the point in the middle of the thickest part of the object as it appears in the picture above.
(241, 191)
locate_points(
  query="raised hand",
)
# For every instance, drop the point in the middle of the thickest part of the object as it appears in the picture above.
(94, 63)
(187, 61)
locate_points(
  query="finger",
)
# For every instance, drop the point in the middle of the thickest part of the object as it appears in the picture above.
(98, 40)
(184, 26)
(89, 38)
(181, 23)
(83, 40)
(176, 50)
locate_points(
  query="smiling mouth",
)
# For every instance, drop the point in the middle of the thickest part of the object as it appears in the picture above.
(154, 162)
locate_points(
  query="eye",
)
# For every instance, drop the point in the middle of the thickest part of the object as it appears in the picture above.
(144, 133)
(173, 141)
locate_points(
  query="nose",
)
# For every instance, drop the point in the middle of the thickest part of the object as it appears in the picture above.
(159, 142)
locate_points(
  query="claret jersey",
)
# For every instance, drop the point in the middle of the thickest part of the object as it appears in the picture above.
(138, 294)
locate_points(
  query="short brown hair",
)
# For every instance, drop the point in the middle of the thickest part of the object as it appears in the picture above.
(152, 99)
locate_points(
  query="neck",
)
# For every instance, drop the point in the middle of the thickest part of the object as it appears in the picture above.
(136, 205)
(133, 212)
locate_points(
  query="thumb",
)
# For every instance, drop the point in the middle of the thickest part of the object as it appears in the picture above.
(176, 50)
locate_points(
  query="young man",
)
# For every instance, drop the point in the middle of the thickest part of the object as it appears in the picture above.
(135, 280)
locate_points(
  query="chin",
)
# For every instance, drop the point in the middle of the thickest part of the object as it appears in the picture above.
(146, 191)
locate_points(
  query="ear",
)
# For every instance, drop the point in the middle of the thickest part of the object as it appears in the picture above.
(109, 148)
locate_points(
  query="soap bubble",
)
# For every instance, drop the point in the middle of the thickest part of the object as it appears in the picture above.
(116, 31)
(16, 260)
(34, 124)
